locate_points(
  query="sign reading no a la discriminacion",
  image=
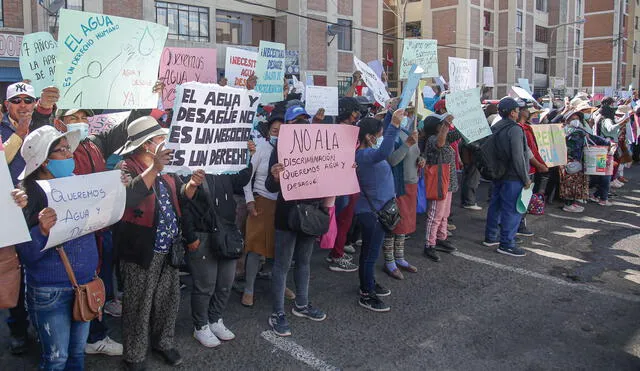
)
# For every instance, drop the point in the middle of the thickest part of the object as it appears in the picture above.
(211, 127)
(318, 160)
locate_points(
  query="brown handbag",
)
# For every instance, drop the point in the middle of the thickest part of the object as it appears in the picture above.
(89, 298)
(9, 277)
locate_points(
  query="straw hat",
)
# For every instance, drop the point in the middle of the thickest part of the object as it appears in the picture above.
(140, 131)
(623, 113)
(583, 105)
(36, 146)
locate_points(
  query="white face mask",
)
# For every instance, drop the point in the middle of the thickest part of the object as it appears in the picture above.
(82, 127)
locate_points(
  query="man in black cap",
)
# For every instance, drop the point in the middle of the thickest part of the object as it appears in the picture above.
(503, 218)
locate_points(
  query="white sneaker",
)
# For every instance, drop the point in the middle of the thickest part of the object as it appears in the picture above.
(349, 249)
(106, 346)
(473, 207)
(616, 184)
(221, 331)
(206, 337)
(573, 208)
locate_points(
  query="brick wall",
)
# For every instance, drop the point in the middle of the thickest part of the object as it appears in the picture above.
(370, 13)
(317, 44)
(13, 16)
(441, 3)
(320, 5)
(370, 46)
(123, 8)
(444, 26)
(345, 7)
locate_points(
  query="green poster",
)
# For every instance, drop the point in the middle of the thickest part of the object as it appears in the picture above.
(38, 60)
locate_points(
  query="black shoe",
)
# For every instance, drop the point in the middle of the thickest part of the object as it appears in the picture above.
(430, 253)
(17, 345)
(135, 366)
(373, 303)
(524, 232)
(444, 246)
(171, 356)
(380, 291)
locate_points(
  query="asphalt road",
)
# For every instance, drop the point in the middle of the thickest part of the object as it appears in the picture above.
(571, 303)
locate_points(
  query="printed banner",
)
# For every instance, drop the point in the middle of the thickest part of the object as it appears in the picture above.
(318, 161)
(84, 204)
(13, 229)
(292, 62)
(10, 45)
(410, 87)
(463, 73)
(38, 60)
(104, 122)
(270, 72)
(317, 97)
(372, 80)
(107, 62)
(210, 128)
(552, 144)
(468, 116)
(424, 53)
(239, 65)
(487, 77)
(180, 65)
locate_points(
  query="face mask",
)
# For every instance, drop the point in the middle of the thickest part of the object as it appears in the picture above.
(587, 116)
(84, 129)
(273, 140)
(574, 123)
(61, 168)
(378, 143)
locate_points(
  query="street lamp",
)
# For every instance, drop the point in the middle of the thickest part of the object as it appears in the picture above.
(553, 32)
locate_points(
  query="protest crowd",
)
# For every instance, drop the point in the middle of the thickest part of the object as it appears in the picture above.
(259, 209)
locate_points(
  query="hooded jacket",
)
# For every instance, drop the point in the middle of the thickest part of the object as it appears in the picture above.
(513, 145)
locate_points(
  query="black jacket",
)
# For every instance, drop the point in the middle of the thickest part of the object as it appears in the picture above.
(283, 207)
(197, 215)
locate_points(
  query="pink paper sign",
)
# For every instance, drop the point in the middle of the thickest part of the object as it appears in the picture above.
(318, 160)
(104, 122)
(180, 65)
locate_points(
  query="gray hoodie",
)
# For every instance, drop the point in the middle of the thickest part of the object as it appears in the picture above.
(513, 145)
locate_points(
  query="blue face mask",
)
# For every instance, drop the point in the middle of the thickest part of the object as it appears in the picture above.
(273, 140)
(587, 116)
(84, 129)
(61, 168)
(378, 143)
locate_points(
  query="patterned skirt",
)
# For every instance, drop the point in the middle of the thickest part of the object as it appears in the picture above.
(573, 186)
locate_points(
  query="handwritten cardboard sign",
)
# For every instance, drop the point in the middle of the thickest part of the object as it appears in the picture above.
(84, 204)
(104, 122)
(38, 60)
(107, 62)
(239, 65)
(179, 65)
(424, 53)
(487, 77)
(468, 116)
(552, 144)
(463, 73)
(326, 97)
(318, 160)
(270, 71)
(211, 127)
(13, 229)
(372, 80)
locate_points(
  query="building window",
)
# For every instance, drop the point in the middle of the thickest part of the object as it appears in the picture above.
(519, 21)
(53, 18)
(345, 33)
(518, 57)
(635, 24)
(577, 37)
(541, 65)
(243, 29)
(541, 34)
(414, 29)
(576, 67)
(1, 14)
(185, 22)
(578, 7)
(487, 21)
(541, 5)
(634, 71)
(486, 58)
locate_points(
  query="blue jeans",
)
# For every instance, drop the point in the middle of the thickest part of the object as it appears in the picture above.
(603, 182)
(61, 338)
(503, 218)
(372, 239)
(98, 329)
(291, 245)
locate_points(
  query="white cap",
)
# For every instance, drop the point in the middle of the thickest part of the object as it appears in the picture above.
(20, 88)
(35, 148)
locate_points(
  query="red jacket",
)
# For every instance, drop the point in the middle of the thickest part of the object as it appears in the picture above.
(88, 158)
(533, 145)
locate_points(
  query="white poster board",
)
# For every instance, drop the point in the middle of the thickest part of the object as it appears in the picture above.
(463, 73)
(373, 81)
(487, 77)
(13, 229)
(326, 97)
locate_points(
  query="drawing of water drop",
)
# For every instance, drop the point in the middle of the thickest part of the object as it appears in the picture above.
(147, 43)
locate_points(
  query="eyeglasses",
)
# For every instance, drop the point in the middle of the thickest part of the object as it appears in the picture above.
(62, 150)
(18, 100)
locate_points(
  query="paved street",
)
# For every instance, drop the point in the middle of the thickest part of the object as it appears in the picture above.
(572, 303)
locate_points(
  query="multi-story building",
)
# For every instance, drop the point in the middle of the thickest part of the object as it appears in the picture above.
(611, 45)
(327, 33)
(539, 40)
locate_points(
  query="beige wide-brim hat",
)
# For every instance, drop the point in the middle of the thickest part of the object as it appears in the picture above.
(36, 146)
(140, 131)
(582, 106)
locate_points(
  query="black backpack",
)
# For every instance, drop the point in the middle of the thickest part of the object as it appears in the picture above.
(488, 156)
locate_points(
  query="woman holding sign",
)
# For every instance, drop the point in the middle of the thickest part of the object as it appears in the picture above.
(148, 241)
(377, 190)
(50, 295)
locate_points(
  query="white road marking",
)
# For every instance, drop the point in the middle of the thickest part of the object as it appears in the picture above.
(297, 352)
(554, 255)
(592, 220)
(558, 281)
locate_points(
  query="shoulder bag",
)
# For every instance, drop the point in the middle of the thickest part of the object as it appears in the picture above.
(9, 277)
(308, 219)
(226, 240)
(89, 298)
(388, 215)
